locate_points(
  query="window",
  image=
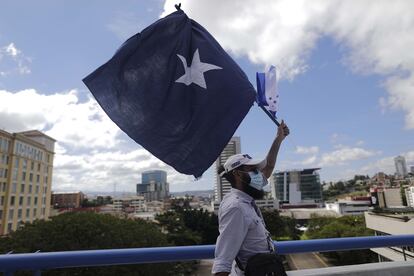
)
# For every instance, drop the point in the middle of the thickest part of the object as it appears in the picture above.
(34, 212)
(24, 176)
(32, 165)
(5, 173)
(37, 189)
(14, 174)
(11, 214)
(30, 188)
(16, 162)
(22, 188)
(12, 200)
(44, 201)
(29, 201)
(4, 186)
(21, 201)
(1, 214)
(1, 200)
(37, 178)
(35, 200)
(27, 213)
(38, 167)
(43, 211)
(31, 177)
(9, 227)
(19, 214)
(14, 187)
(24, 164)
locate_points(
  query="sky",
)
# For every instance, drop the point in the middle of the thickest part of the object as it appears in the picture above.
(345, 76)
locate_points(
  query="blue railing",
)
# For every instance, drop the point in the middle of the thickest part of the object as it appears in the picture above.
(36, 262)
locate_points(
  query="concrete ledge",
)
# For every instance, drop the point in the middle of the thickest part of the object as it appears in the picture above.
(372, 269)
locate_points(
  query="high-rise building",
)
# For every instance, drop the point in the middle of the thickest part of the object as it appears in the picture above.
(26, 165)
(412, 169)
(154, 185)
(222, 186)
(297, 187)
(400, 166)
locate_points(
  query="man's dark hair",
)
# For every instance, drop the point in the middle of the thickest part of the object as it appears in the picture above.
(228, 176)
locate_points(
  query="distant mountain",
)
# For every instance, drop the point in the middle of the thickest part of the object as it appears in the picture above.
(204, 193)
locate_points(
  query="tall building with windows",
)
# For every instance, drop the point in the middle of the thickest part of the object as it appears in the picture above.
(297, 187)
(222, 186)
(26, 165)
(154, 185)
(400, 166)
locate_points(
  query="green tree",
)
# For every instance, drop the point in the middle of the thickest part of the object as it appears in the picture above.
(346, 226)
(85, 231)
(280, 227)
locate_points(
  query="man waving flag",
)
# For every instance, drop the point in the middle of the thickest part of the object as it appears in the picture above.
(175, 91)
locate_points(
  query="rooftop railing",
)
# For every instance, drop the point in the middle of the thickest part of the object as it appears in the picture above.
(37, 262)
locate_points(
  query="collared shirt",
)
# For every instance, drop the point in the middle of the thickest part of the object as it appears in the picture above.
(242, 232)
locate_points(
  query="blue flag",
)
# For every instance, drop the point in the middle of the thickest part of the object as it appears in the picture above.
(175, 91)
(267, 93)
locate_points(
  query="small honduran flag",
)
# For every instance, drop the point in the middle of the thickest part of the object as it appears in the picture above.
(267, 93)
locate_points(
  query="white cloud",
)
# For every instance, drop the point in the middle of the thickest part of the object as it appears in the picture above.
(73, 123)
(125, 24)
(88, 153)
(12, 60)
(386, 164)
(11, 50)
(377, 36)
(307, 150)
(309, 161)
(343, 155)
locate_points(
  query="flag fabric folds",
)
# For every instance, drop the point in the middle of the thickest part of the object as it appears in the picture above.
(267, 93)
(175, 91)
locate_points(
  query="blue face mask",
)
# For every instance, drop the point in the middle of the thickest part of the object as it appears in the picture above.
(257, 180)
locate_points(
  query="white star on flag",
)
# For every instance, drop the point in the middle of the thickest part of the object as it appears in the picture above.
(195, 73)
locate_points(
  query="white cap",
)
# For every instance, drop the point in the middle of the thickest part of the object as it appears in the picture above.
(238, 160)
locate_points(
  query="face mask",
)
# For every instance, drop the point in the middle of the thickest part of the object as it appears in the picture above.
(257, 180)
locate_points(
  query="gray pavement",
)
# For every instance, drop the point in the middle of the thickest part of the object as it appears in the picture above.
(305, 261)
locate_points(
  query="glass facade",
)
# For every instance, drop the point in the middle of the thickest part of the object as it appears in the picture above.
(154, 185)
(308, 184)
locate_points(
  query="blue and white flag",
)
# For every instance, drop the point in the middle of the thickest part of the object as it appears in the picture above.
(267, 93)
(175, 91)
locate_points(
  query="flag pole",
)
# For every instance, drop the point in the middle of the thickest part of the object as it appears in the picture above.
(270, 115)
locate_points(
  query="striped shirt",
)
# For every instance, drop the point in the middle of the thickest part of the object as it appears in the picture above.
(242, 232)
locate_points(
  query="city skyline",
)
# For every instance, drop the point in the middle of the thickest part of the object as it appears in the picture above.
(345, 95)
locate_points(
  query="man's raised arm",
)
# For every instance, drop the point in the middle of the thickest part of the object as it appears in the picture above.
(282, 132)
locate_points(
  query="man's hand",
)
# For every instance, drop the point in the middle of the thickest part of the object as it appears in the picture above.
(282, 131)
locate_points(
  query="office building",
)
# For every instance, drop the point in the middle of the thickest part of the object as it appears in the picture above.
(386, 197)
(349, 207)
(412, 169)
(67, 199)
(400, 166)
(129, 205)
(392, 222)
(26, 165)
(297, 188)
(154, 185)
(222, 186)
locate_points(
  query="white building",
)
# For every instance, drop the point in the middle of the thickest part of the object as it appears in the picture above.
(222, 186)
(391, 224)
(129, 205)
(349, 207)
(400, 166)
(409, 194)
